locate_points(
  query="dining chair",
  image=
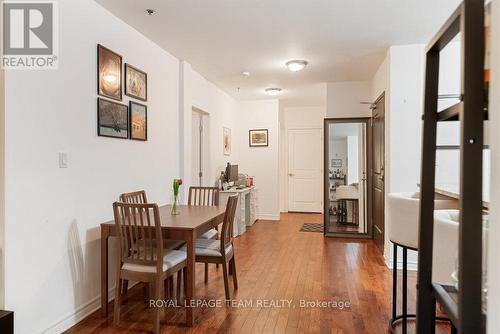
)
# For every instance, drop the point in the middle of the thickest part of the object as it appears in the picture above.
(221, 251)
(139, 197)
(139, 224)
(205, 196)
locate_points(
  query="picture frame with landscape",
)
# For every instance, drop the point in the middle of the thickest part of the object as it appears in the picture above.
(112, 119)
(138, 121)
(258, 138)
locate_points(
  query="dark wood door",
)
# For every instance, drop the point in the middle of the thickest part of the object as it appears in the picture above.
(378, 172)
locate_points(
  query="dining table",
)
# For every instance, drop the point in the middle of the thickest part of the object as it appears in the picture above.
(187, 225)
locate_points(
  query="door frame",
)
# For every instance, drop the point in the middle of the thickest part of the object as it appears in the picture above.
(326, 196)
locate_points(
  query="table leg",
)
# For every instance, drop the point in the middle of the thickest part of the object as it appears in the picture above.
(104, 271)
(190, 283)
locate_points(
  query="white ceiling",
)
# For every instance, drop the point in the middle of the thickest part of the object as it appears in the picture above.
(343, 40)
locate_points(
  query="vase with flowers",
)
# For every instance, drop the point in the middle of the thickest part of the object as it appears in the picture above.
(176, 184)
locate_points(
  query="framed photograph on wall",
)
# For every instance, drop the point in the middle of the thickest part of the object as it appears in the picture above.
(336, 163)
(226, 140)
(258, 138)
(112, 119)
(138, 121)
(136, 83)
(109, 73)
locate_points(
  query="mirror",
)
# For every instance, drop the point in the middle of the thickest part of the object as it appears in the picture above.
(346, 177)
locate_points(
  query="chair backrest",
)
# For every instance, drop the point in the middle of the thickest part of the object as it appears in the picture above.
(227, 224)
(139, 234)
(137, 197)
(203, 196)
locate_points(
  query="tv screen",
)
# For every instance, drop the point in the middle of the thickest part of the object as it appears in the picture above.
(232, 173)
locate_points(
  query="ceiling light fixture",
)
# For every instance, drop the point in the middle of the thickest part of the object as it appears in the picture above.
(296, 65)
(150, 11)
(245, 73)
(273, 91)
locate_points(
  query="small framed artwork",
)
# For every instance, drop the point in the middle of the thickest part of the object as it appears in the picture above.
(337, 163)
(226, 140)
(112, 119)
(258, 138)
(138, 121)
(109, 73)
(136, 83)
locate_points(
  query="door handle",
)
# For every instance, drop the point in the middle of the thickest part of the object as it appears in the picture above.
(291, 174)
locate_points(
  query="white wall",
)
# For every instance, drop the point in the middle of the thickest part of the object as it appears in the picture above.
(222, 111)
(344, 99)
(53, 215)
(494, 230)
(261, 162)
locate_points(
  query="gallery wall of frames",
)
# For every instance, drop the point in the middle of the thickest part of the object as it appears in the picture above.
(115, 119)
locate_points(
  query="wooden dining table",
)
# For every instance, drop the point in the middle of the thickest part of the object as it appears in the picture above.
(191, 222)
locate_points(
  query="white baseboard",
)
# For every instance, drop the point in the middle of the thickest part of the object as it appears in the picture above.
(264, 216)
(80, 313)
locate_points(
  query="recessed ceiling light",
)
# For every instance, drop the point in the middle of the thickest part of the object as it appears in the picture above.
(296, 65)
(245, 73)
(273, 91)
(150, 11)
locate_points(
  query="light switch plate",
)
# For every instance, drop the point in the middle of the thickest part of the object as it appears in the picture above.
(63, 160)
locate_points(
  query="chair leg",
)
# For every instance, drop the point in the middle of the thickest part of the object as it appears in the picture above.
(405, 290)
(118, 289)
(178, 287)
(394, 281)
(226, 283)
(166, 288)
(171, 287)
(125, 287)
(158, 286)
(206, 272)
(185, 276)
(232, 264)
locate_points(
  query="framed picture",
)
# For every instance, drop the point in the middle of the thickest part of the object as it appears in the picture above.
(226, 140)
(258, 138)
(136, 83)
(112, 119)
(109, 73)
(138, 121)
(336, 163)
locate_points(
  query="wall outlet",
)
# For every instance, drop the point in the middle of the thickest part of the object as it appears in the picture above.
(63, 160)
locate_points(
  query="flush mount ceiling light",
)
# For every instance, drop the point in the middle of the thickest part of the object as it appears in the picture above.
(245, 73)
(296, 65)
(273, 91)
(150, 11)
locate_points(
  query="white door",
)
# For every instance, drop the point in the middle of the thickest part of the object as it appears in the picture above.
(305, 170)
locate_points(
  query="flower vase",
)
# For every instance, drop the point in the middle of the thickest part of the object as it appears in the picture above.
(175, 205)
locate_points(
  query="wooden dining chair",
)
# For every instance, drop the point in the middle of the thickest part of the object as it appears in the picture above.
(139, 224)
(221, 251)
(205, 196)
(139, 197)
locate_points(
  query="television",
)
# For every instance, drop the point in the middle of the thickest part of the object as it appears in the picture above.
(231, 172)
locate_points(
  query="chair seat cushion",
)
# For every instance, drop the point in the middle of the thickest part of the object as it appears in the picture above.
(209, 234)
(209, 247)
(170, 259)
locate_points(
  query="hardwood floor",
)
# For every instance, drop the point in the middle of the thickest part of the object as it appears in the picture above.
(277, 262)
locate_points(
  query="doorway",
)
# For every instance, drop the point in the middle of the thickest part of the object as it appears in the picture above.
(199, 154)
(378, 172)
(346, 186)
(304, 170)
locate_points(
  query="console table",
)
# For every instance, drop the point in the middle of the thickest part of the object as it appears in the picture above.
(246, 210)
